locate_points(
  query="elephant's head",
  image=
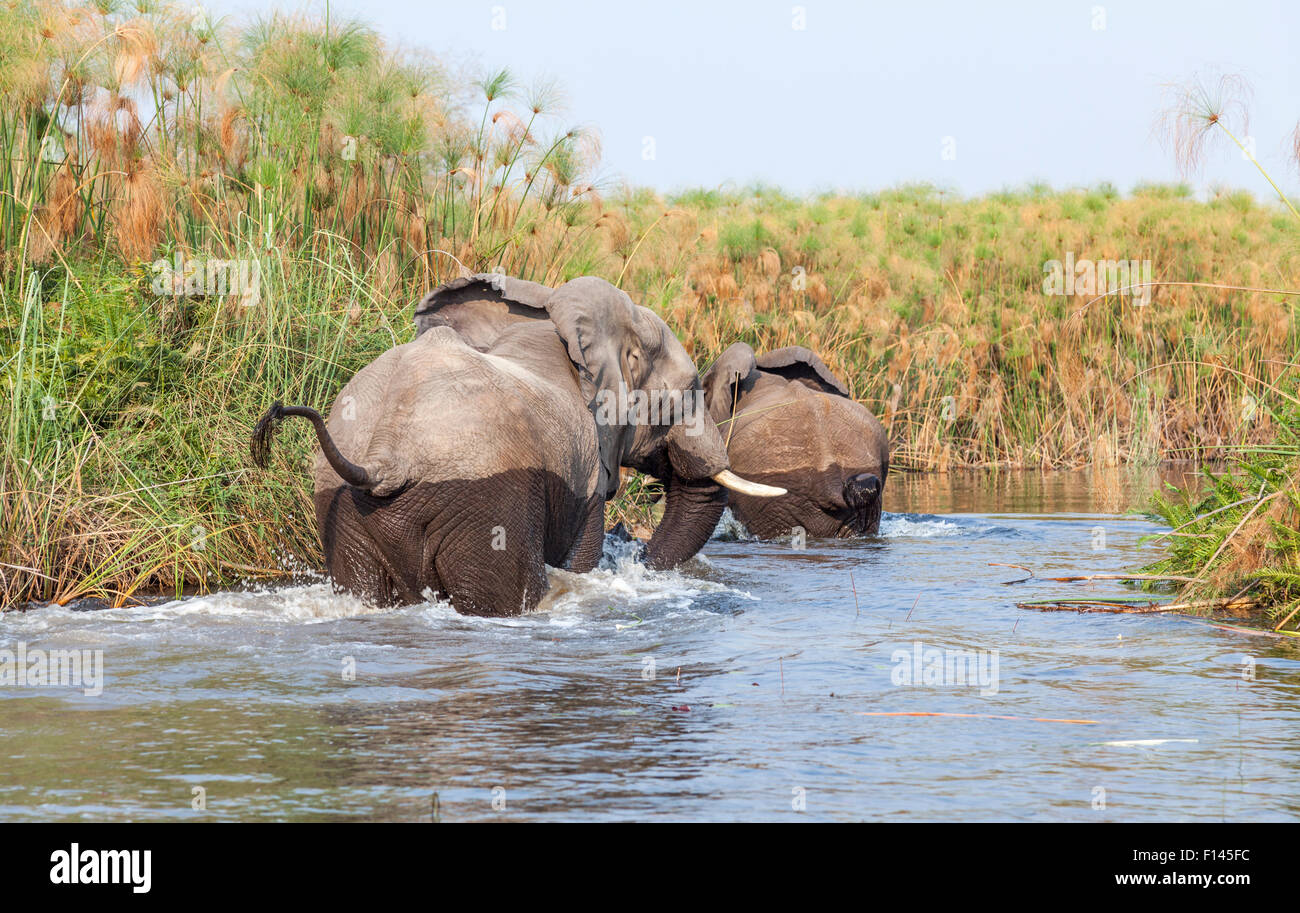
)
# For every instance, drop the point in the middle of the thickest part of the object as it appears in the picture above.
(640, 385)
(789, 421)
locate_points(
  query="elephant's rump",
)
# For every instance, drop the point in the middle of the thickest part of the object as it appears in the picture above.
(482, 542)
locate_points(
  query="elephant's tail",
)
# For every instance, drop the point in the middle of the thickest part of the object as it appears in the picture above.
(261, 443)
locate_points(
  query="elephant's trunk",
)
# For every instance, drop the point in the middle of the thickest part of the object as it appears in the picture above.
(862, 491)
(690, 515)
(696, 496)
(261, 443)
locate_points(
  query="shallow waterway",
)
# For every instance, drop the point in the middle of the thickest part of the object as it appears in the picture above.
(759, 682)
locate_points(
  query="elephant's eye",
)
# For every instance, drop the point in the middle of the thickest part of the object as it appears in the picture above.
(634, 369)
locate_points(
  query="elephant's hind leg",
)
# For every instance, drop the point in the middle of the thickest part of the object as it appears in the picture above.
(367, 579)
(351, 557)
(504, 583)
(489, 550)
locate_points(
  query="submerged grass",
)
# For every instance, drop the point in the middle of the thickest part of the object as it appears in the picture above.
(355, 178)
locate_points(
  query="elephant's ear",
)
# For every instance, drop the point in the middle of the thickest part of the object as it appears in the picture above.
(603, 331)
(480, 307)
(802, 365)
(722, 382)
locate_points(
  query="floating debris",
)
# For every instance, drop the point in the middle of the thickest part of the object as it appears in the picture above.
(982, 716)
(1133, 605)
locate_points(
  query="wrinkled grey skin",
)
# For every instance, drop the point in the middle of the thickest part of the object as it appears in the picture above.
(465, 461)
(796, 427)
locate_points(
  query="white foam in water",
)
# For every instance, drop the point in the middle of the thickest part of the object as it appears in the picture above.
(892, 526)
(916, 526)
(304, 603)
(1148, 743)
(620, 590)
(623, 583)
(309, 603)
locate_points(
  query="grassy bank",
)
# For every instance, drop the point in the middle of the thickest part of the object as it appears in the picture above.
(355, 178)
(934, 310)
(1235, 539)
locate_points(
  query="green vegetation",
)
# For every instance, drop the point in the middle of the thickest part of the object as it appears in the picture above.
(355, 179)
(1238, 539)
(351, 178)
(1235, 544)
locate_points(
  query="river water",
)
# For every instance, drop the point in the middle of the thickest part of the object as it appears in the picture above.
(760, 682)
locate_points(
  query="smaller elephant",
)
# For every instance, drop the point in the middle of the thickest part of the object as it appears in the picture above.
(789, 422)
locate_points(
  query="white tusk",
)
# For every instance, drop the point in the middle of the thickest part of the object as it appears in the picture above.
(728, 479)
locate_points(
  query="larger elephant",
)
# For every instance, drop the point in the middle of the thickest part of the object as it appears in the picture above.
(788, 421)
(466, 461)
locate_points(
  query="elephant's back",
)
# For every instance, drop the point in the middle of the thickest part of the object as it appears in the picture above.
(782, 423)
(437, 410)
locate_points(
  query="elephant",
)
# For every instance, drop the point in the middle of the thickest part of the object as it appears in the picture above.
(485, 449)
(789, 422)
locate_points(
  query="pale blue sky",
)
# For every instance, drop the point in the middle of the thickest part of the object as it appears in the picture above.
(865, 94)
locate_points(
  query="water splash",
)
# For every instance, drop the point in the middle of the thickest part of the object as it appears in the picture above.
(730, 529)
(918, 526)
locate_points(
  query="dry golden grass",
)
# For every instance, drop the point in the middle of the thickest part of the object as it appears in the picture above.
(940, 324)
(351, 176)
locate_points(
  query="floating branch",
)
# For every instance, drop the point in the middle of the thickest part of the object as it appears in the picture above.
(1087, 577)
(1133, 605)
(984, 716)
